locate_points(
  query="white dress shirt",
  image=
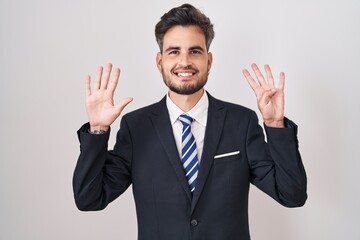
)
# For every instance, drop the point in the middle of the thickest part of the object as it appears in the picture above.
(199, 113)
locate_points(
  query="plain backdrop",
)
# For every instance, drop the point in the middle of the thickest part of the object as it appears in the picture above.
(48, 47)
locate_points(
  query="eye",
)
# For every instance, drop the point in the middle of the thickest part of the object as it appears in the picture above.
(173, 52)
(195, 52)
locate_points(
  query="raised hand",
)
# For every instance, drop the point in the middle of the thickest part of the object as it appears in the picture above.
(270, 100)
(100, 106)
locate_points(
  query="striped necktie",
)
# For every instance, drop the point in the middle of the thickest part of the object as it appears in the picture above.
(189, 156)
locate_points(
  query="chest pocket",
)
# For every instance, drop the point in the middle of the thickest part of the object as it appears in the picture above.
(226, 157)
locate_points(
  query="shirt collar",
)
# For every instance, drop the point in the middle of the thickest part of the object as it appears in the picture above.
(198, 112)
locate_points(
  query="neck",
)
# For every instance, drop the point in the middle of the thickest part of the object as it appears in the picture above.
(186, 102)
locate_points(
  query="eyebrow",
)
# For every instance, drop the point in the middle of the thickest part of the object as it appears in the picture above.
(191, 48)
(197, 48)
(172, 48)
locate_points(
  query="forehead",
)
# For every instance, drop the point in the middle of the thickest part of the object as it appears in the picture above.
(182, 36)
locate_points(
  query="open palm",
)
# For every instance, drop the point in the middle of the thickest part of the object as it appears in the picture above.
(270, 100)
(100, 106)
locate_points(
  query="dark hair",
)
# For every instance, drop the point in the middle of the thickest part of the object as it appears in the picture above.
(185, 15)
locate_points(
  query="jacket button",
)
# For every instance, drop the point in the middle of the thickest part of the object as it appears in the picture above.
(194, 222)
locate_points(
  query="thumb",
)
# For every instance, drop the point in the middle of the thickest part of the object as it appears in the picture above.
(266, 97)
(123, 103)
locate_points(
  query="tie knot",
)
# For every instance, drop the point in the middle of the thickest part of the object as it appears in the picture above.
(186, 120)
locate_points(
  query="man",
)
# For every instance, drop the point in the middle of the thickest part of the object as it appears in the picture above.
(190, 157)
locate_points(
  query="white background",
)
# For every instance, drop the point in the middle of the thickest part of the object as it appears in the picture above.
(47, 48)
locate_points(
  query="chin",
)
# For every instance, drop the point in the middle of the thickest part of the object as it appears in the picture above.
(188, 90)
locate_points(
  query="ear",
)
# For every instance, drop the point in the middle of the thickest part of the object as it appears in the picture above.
(159, 61)
(210, 59)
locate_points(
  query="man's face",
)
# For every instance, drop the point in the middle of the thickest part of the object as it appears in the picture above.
(184, 61)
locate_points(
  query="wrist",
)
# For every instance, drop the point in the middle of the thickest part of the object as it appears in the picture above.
(96, 129)
(96, 132)
(275, 124)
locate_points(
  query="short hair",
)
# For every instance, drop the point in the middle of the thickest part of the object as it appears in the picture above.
(184, 15)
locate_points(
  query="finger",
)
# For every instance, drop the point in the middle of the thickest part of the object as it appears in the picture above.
(98, 78)
(282, 81)
(87, 86)
(253, 84)
(123, 104)
(258, 74)
(114, 81)
(105, 78)
(269, 76)
(266, 97)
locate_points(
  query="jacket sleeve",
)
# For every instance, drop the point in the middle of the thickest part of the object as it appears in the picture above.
(277, 169)
(100, 175)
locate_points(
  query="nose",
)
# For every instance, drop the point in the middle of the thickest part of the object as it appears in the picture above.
(184, 60)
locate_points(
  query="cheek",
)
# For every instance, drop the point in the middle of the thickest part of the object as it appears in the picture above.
(203, 64)
(167, 67)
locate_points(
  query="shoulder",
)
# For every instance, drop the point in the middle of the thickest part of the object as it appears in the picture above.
(145, 112)
(235, 114)
(231, 108)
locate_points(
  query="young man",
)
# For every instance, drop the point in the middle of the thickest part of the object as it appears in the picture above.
(190, 157)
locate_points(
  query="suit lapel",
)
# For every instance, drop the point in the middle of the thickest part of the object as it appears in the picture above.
(216, 117)
(214, 126)
(163, 128)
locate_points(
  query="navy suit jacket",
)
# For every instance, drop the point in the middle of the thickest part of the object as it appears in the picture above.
(145, 156)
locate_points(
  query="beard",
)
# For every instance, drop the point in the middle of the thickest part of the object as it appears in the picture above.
(184, 89)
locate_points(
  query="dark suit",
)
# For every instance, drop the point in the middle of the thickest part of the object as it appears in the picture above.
(145, 155)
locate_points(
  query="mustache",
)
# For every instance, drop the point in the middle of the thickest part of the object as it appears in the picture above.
(189, 67)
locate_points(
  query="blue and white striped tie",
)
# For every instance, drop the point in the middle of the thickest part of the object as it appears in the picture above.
(189, 156)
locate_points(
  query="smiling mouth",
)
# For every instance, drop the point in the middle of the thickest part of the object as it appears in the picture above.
(184, 74)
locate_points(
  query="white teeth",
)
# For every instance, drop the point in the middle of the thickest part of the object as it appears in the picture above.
(181, 74)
